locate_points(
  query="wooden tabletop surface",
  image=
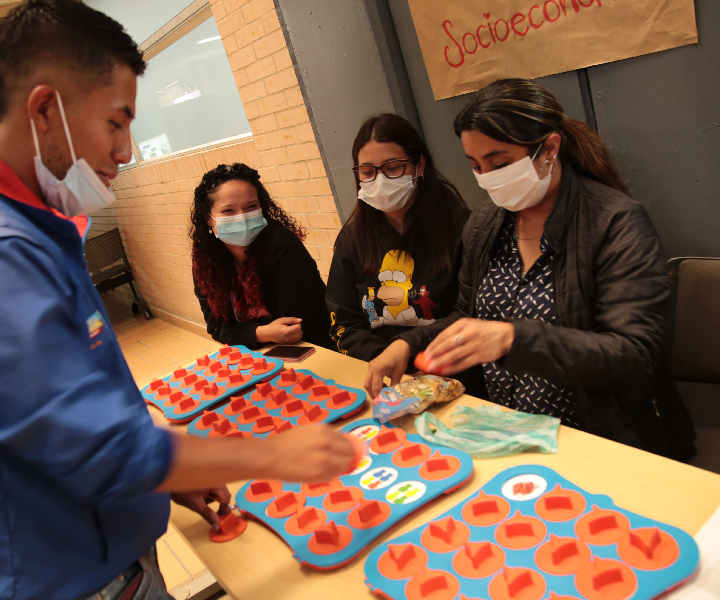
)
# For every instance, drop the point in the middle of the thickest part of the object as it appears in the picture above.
(258, 564)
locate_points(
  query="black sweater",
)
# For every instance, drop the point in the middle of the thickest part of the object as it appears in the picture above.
(291, 287)
(359, 332)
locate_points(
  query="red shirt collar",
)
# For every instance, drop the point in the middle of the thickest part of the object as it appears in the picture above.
(12, 187)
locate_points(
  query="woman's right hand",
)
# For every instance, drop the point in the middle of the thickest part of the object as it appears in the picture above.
(392, 363)
(285, 330)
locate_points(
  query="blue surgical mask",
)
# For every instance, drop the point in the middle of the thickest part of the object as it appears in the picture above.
(242, 229)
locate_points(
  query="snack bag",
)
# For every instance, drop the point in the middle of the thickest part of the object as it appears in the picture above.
(414, 395)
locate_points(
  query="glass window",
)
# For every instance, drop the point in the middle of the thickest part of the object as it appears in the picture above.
(140, 18)
(188, 96)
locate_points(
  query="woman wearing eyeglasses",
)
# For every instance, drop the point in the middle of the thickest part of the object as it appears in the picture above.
(563, 286)
(254, 278)
(397, 258)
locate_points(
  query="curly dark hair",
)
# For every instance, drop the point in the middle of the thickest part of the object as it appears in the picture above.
(213, 265)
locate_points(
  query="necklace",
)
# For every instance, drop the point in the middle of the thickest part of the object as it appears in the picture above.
(517, 237)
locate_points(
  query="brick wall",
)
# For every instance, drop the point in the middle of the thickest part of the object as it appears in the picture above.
(154, 198)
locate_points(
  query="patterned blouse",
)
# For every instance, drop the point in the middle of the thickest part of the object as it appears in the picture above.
(505, 292)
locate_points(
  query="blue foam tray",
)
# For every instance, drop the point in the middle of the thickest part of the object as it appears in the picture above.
(379, 479)
(650, 583)
(169, 411)
(195, 428)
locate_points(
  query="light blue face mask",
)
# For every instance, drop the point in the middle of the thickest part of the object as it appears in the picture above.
(242, 229)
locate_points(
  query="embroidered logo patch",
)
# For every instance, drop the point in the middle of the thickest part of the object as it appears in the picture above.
(95, 324)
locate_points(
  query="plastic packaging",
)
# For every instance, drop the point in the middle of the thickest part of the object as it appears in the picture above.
(489, 431)
(414, 395)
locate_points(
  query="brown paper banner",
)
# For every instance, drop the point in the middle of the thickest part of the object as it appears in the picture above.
(467, 44)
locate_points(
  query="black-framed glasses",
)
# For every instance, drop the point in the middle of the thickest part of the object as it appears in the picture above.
(392, 169)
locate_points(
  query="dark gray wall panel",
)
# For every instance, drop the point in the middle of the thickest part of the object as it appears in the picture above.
(660, 113)
(346, 59)
(437, 116)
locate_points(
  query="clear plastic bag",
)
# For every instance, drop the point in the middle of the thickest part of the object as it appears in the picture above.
(414, 395)
(488, 431)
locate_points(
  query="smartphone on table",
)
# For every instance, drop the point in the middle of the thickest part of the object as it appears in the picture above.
(290, 353)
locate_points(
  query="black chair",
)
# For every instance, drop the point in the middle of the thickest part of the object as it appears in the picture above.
(109, 267)
(694, 347)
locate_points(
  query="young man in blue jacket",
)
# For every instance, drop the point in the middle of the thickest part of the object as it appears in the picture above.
(84, 475)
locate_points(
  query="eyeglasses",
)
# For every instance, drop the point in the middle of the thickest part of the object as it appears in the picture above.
(392, 169)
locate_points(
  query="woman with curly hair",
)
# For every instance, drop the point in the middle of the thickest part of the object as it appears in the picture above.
(254, 278)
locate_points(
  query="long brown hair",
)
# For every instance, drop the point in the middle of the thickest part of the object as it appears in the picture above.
(434, 211)
(213, 266)
(521, 112)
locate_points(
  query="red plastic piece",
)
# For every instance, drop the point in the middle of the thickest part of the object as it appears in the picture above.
(319, 393)
(445, 535)
(517, 584)
(174, 398)
(263, 390)
(562, 556)
(341, 399)
(262, 490)
(293, 408)
(478, 559)
(246, 362)
(231, 526)
(179, 374)
(234, 357)
(250, 415)
(223, 373)
(603, 527)
(484, 510)
(648, 548)
(305, 521)
(198, 384)
(225, 350)
(211, 391)
(439, 467)
(286, 504)
(560, 505)
(288, 377)
(222, 427)
(411, 455)
(606, 579)
(214, 366)
(260, 366)
(186, 405)
(314, 414)
(305, 382)
(422, 363)
(164, 391)
(330, 538)
(189, 380)
(237, 405)
(432, 585)
(286, 425)
(207, 419)
(341, 499)
(237, 379)
(155, 384)
(402, 561)
(278, 399)
(388, 440)
(240, 434)
(520, 532)
(266, 424)
(203, 361)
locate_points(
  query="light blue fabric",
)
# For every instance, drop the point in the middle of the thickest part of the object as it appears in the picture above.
(79, 455)
(489, 431)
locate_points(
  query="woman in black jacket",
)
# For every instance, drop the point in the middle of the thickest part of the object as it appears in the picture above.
(563, 287)
(254, 278)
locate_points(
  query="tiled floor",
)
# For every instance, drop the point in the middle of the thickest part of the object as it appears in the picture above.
(153, 349)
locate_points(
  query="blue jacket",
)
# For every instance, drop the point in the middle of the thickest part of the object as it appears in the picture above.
(79, 455)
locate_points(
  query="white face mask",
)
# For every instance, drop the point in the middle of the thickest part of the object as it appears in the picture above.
(82, 191)
(242, 229)
(518, 185)
(387, 194)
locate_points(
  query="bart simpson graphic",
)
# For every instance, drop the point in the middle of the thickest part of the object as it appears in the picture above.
(369, 305)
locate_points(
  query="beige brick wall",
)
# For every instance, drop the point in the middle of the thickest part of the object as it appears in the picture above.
(154, 198)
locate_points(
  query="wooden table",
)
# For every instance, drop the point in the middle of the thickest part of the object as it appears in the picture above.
(258, 564)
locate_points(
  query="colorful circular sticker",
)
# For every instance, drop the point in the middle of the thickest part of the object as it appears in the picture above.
(363, 465)
(378, 478)
(524, 487)
(365, 432)
(406, 492)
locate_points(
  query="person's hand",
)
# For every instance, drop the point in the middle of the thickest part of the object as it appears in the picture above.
(469, 342)
(392, 364)
(314, 453)
(198, 502)
(285, 330)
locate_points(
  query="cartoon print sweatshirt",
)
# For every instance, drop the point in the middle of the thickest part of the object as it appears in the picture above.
(368, 312)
